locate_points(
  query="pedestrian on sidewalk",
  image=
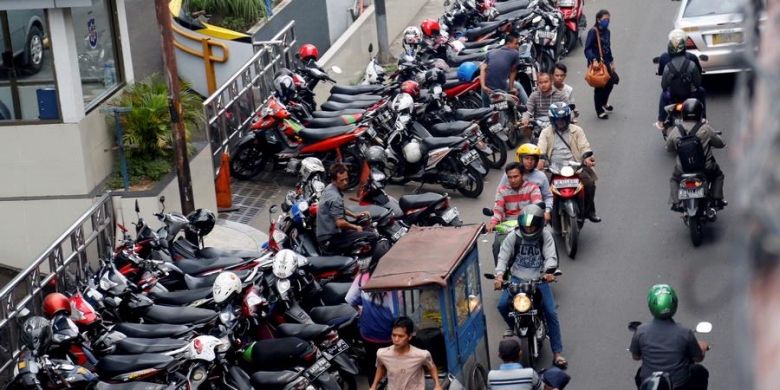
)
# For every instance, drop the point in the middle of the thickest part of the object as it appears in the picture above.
(511, 375)
(499, 70)
(598, 48)
(402, 363)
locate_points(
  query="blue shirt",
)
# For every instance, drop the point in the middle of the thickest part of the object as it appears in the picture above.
(592, 48)
(377, 316)
(499, 65)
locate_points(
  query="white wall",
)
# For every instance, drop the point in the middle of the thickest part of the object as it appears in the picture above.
(339, 17)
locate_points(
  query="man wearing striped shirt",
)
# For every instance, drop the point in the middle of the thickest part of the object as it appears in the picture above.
(511, 375)
(511, 197)
(539, 102)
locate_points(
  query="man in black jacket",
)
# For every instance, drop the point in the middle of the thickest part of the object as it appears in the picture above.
(676, 48)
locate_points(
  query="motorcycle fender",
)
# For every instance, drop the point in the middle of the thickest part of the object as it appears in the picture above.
(571, 24)
(692, 207)
(250, 137)
(477, 164)
(345, 363)
(327, 382)
(570, 208)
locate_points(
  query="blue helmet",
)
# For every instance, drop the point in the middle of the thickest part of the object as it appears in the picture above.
(467, 71)
(560, 115)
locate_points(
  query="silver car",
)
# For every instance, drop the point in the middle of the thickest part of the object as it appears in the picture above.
(715, 29)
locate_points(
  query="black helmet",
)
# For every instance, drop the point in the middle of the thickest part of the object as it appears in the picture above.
(692, 110)
(560, 115)
(36, 335)
(376, 155)
(284, 86)
(530, 222)
(202, 221)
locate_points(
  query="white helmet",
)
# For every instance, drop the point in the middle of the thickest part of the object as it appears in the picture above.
(412, 152)
(225, 285)
(310, 165)
(412, 35)
(206, 348)
(456, 46)
(285, 263)
(402, 102)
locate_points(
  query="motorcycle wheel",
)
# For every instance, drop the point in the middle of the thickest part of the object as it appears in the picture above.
(468, 100)
(570, 39)
(526, 348)
(694, 226)
(247, 161)
(497, 159)
(513, 132)
(475, 186)
(570, 231)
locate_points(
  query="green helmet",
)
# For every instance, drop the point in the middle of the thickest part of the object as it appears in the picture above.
(662, 301)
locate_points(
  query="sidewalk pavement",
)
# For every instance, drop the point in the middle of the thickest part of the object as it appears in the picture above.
(233, 235)
(433, 9)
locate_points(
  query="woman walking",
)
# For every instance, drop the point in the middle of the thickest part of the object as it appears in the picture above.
(597, 48)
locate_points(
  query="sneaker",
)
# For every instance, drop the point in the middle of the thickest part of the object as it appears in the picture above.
(659, 125)
(609, 107)
(594, 218)
(603, 115)
(677, 208)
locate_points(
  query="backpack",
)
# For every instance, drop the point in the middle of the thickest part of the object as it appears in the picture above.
(680, 80)
(690, 151)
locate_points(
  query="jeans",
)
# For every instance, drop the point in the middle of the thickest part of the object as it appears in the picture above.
(665, 99)
(698, 380)
(550, 313)
(520, 93)
(601, 96)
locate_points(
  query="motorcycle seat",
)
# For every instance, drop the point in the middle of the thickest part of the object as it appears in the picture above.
(356, 89)
(302, 331)
(318, 123)
(195, 282)
(475, 50)
(511, 5)
(138, 385)
(451, 83)
(280, 353)
(326, 263)
(376, 212)
(313, 135)
(181, 297)
(336, 97)
(516, 14)
(134, 346)
(410, 202)
(196, 266)
(211, 252)
(113, 365)
(333, 315)
(472, 45)
(239, 377)
(333, 293)
(178, 315)
(273, 379)
(449, 129)
(441, 142)
(331, 114)
(337, 106)
(474, 33)
(477, 57)
(130, 329)
(471, 114)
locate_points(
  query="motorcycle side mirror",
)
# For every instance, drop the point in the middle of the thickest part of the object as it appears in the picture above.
(489, 276)
(487, 212)
(137, 209)
(704, 57)
(633, 325)
(446, 3)
(162, 202)
(704, 327)
(370, 48)
(273, 209)
(656, 60)
(336, 69)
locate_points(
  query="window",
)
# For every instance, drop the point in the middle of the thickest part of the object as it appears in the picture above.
(467, 293)
(27, 84)
(96, 44)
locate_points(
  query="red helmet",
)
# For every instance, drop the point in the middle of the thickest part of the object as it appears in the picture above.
(411, 87)
(430, 27)
(308, 51)
(55, 303)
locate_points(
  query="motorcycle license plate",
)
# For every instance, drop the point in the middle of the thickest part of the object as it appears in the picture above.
(690, 194)
(499, 106)
(469, 157)
(400, 233)
(318, 368)
(566, 183)
(340, 347)
(450, 215)
(495, 128)
(566, 3)
(545, 34)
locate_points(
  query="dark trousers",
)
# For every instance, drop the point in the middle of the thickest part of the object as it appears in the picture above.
(698, 380)
(368, 365)
(665, 99)
(601, 96)
(714, 176)
(342, 242)
(588, 178)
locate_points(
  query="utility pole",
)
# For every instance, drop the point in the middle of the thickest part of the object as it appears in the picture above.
(380, 12)
(174, 105)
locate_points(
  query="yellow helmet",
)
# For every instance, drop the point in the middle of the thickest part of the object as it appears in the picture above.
(527, 149)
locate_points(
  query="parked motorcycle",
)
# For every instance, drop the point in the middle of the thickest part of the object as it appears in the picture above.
(575, 22)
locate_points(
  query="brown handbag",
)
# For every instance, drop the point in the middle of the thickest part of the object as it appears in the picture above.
(597, 75)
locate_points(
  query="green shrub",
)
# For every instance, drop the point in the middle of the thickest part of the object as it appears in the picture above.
(237, 15)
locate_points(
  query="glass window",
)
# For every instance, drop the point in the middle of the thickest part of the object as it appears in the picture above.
(27, 85)
(96, 39)
(467, 293)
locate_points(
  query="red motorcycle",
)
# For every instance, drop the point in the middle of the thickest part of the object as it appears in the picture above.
(277, 137)
(574, 19)
(568, 203)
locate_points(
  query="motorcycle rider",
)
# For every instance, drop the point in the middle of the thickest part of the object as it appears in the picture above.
(540, 100)
(511, 198)
(334, 233)
(563, 141)
(689, 67)
(527, 251)
(692, 112)
(663, 345)
(528, 155)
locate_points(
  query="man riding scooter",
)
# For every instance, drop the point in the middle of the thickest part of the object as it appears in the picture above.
(681, 75)
(528, 155)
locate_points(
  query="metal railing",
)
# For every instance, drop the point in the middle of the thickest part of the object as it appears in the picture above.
(64, 261)
(229, 110)
(206, 53)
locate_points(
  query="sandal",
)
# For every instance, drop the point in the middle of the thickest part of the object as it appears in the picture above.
(560, 362)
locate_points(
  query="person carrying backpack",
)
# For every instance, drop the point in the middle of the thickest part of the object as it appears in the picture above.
(526, 252)
(680, 75)
(693, 141)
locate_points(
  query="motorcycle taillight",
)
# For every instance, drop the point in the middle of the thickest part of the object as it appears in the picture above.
(692, 184)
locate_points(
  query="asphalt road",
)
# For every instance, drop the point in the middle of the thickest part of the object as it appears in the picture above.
(640, 242)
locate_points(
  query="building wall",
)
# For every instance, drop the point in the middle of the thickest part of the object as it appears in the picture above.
(145, 41)
(311, 23)
(339, 17)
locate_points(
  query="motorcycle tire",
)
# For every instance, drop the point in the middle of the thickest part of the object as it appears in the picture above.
(468, 100)
(570, 41)
(247, 161)
(695, 227)
(497, 159)
(513, 132)
(570, 231)
(477, 184)
(526, 354)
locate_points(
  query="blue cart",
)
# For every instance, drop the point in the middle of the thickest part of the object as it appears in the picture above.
(433, 273)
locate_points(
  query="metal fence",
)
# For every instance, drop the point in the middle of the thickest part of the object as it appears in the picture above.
(64, 261)
(229, 110)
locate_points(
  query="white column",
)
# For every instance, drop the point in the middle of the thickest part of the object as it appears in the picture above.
(66, 65)
(124, 41)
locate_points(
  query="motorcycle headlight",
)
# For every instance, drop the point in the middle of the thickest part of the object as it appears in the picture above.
(521, 303)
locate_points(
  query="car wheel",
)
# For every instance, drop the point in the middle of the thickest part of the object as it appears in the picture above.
(34, 50)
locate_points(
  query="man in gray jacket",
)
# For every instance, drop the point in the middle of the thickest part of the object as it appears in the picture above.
(528, 252)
